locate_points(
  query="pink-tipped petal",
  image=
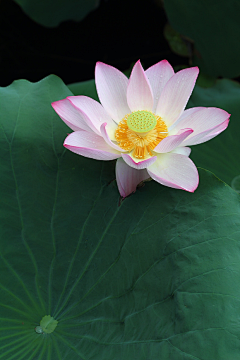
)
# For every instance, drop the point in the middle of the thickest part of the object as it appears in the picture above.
(158, 75)
(106, 137)
(139, 92)
(112, 90)
(138, 164)
(217, 130)
(202, 122)
(176, 171)
(70, 115)
(90, 145)
(173, 141)
(207, 134)
(175, 95)
(95, 115)
(173, 129)
(128, 178)
(182, 150)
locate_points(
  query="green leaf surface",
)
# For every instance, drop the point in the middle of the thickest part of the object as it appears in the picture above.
(152, 277)
(215, 27)
(52, 13)
(221, 154)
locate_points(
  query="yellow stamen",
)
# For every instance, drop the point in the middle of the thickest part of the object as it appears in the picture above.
(140, 132)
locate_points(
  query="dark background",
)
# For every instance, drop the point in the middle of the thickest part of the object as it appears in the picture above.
(118, 33)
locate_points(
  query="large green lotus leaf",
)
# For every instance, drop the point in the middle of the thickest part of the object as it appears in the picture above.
(221, 154)
(86, 276)
(215, 27)
(51, 13)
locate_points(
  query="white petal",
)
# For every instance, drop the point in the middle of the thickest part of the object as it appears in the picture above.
(158, 75)
(70, 115)
(139, 92)
(112, 90)
(186, 151)
(207, 134)
(93, 112)
(176, 171)
(173, 129)
(173, 141)
(175, 95)
(214, 132)
(90, 145)
(202, 122)
(138, 164)
(104, 133)
(128, 178)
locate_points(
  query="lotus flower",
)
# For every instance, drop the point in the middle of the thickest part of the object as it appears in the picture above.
(142, 123)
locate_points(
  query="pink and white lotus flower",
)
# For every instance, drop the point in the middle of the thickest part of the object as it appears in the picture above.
(142, 123)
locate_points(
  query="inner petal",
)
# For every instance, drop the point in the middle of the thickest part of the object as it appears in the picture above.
(140, 132)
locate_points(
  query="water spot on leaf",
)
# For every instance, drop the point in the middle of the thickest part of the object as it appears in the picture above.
(47, 325)
(39, 329)
(235, 184)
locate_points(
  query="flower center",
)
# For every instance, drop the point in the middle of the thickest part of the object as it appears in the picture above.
(140, 132)
(141, 121)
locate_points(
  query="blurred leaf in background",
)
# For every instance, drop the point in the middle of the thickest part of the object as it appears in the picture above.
(214, 27)
(51, 13)
(110, 34)
(177, 43)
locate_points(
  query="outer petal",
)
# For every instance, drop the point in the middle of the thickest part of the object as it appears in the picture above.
(173, 141)
(106, 137)
(90, 145)
(112, 90)
(216, 131)
(173, 129)
(207, 134)
(202, 122)
(139, 92)
(93, 112)
(183, 150)
(175, 95)
(128, 178)
(158, 75)
(141, 164)
(70, 115)
(176, 171)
